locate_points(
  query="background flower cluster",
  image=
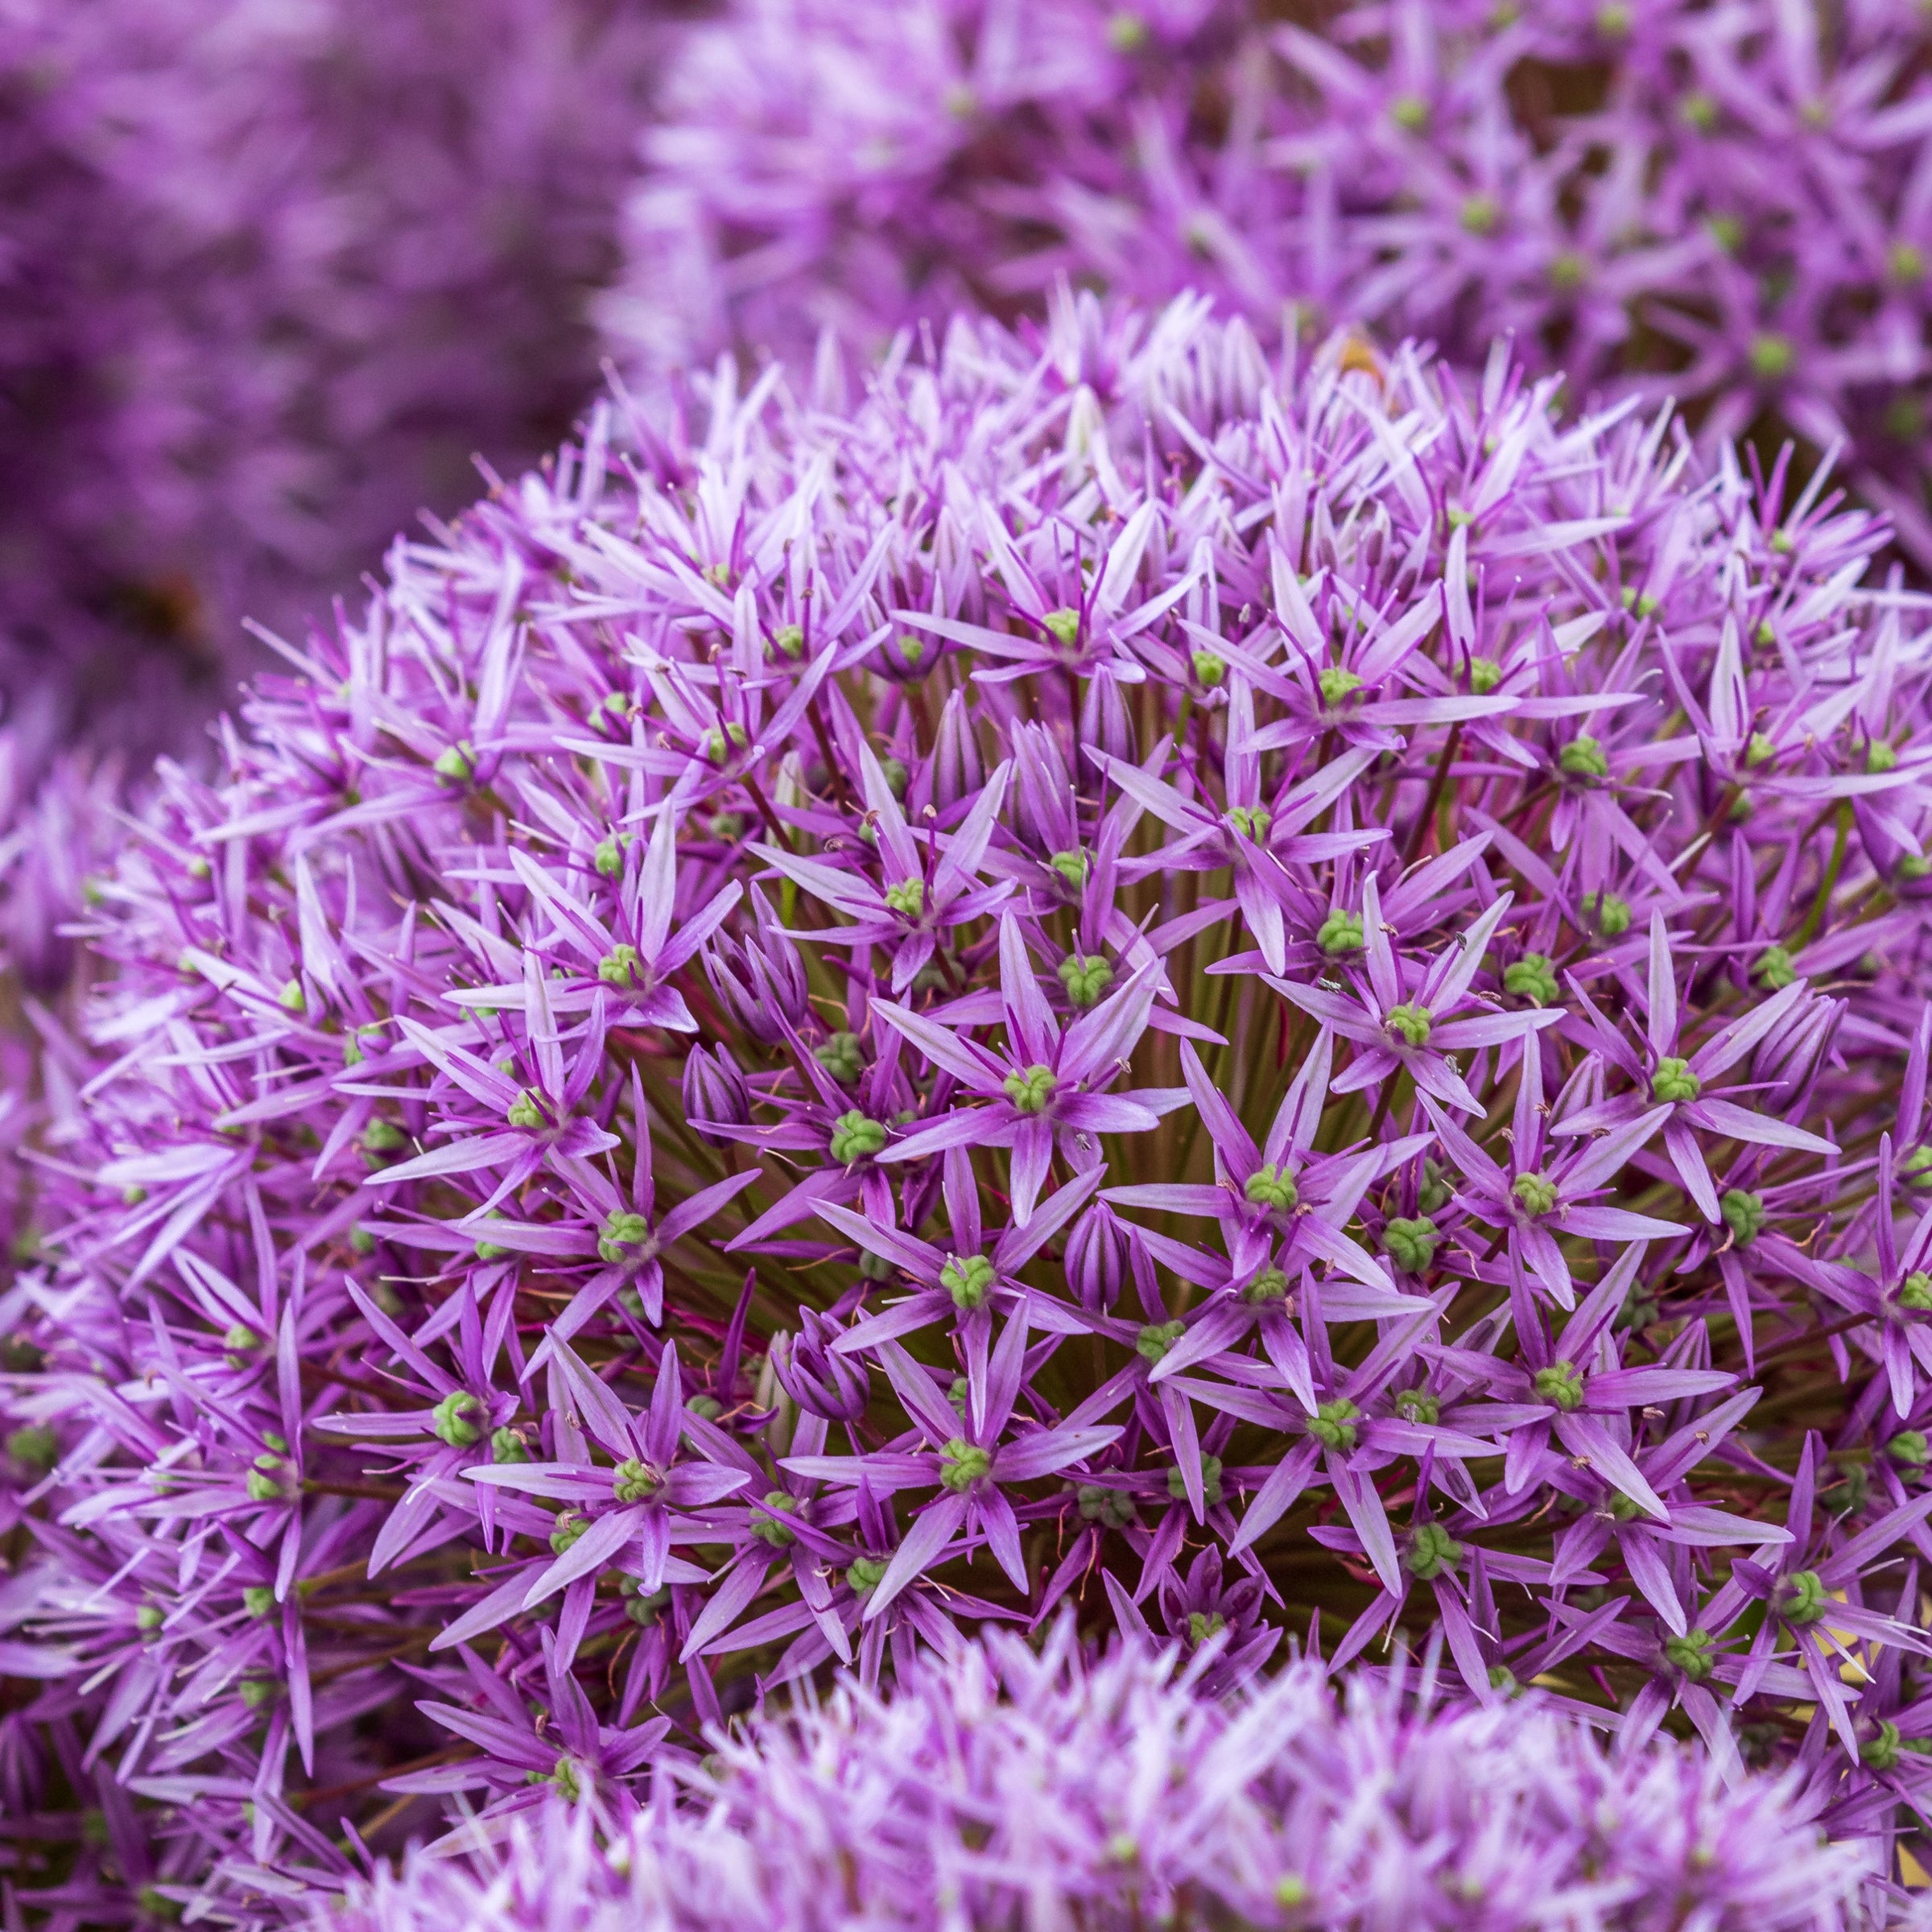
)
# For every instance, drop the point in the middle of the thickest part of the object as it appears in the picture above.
(1246, 999)
(271, 276)
(1727, 203)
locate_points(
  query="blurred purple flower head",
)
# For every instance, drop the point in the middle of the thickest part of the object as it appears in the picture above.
(1345, 1065)
(1000, 1777)
(272, 275)
(1727, 203)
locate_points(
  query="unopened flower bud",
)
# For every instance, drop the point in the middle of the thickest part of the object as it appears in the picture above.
(1096, 1257)
(715, 1093)
(829, 1386)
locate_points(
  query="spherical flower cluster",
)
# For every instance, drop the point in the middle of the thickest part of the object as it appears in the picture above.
(1726, 202)
(269, 276)
(1235, 997)
(1012, 1787)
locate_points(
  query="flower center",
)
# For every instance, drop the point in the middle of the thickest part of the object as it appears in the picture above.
(622, 1232)
(1802, 1600)
(865, 1575)
(778, 1534)
(962, 1463)
(1267, 1288)
(1339, 933)
(1481, 215)
(1156, 1338)
(1251, 821)
(1431, 1551)
(635, 1482)
(1535, 1193)
(1771, 356)
(1210, 1482)
(908, 898)
(1582, 757)
(1333, 1425)
(1030, 1091)
(1086, 976)
(1417, 1406)
(1673, 1080)
(1533, 978)
(968, 1279)
(1411, 1244)
(1409, 1023)
(1691, 1654)
(1270, 1188)
(1609, 912)
(842, 1057)
(1561, 1386)
(450, 1419)
(458, 764)
(1744, 1214)
(855, 1137)
(1114, 1508)
(621, 967)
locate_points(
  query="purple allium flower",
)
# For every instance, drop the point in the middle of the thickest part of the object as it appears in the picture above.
(272, 275)
(1729, 203)
(1346, 1063)
(1004, 1783)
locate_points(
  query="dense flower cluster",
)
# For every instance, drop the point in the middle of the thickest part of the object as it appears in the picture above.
(1122, 977)
(269, 276)
(1008, 1789)
(1727, 201)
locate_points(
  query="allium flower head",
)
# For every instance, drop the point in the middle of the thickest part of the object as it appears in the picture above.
(647, 1140)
